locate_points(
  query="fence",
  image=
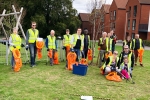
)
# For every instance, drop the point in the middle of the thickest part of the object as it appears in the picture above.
(5, 54)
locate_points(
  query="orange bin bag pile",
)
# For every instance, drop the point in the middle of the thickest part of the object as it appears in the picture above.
(39, 45)
(112, 76)
(56, 61)
(140, 54)
(71, 58)
(17, 58)
(83, 61)
(89, 54)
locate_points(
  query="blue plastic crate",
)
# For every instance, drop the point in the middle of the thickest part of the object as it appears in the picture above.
(80, 69)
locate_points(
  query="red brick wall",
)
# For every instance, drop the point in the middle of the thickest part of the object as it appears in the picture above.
(145, 9)
(107, 23)
(148, 36)
(119, 22)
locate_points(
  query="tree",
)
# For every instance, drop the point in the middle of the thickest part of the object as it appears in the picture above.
(49, 14)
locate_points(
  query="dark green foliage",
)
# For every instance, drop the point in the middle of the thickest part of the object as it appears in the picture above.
(49, 14)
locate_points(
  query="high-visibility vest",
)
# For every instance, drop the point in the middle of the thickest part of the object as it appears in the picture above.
(33, 35)
(75, 40)
(16, 40)
(110, 61)
(125, 43)
(88, 38)
(122, 65)
(67, 40)
(129, 57)
(140, 40)
(107, 44)
(51, 42)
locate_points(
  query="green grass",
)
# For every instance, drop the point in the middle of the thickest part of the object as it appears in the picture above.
(55, 83)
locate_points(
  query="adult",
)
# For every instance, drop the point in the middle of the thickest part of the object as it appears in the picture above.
(128, 41)
(113, 37)
(31, 36)
(67, 42)
(14, 42)
(126, 52)
(51, 45)
(104, 46)
(109, 41)
(86, 39)
(111, 63)
(138, 47)
(77, 43)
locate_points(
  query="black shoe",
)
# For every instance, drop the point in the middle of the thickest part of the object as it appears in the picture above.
(141, 65)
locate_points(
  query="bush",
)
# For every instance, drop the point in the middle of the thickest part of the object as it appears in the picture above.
(146, 42)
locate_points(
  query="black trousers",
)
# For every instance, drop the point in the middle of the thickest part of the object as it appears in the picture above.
(84, 54)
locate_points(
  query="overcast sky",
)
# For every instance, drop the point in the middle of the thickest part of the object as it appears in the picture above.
(81, 5)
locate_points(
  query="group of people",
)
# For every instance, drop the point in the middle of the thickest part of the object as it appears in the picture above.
(132, 49)
(76, 43)
(80, 44)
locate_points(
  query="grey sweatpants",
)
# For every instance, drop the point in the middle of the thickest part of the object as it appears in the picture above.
(102, 53)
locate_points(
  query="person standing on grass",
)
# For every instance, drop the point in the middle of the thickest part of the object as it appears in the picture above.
(113, 37)
(129, 54)
(104, 46)
(67, 43)
(138, 47)
(128, 42)
(51, 45)
(77, 43)
(86, 39)
(31, 36)
(14, 42)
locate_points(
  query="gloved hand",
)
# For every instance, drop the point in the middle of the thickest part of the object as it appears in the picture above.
(132, 68)
(27, 47)
(56, 50)
(14, 46)
(63, 47)
(47, 49)
(22, 45)
(71, 49)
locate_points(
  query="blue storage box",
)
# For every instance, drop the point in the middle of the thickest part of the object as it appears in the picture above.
(80, 69)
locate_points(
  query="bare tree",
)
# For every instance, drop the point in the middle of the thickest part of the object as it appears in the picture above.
(97, 20)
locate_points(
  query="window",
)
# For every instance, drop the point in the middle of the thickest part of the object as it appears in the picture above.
(128, 24)
(114, 15)
(135, 11)
(114, 26)
(111, 26)
(134, 24)
(129, 12)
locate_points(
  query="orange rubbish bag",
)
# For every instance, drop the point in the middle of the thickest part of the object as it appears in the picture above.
(55, 61)
(107, 54)
(83, 61)
(112, 76)
(17, 58)
(39, 45)
(50, 53)
(140, 54)
(71, 58)
(89, 54)
(67, 49)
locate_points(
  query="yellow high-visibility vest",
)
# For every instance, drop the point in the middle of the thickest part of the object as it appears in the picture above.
(33, 36)
(16, 40)
(51, 42)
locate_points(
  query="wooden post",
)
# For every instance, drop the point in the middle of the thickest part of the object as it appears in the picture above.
(20, 26)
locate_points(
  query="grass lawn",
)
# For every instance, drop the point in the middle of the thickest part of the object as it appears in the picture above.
(55, 83)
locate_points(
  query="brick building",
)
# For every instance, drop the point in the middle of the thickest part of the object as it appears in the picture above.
(138, 18)
(105, 19)
(117, 13)
(85, 24)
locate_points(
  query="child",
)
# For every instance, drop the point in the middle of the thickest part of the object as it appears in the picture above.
(126, 68)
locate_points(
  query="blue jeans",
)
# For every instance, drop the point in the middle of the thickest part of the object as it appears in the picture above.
(77, 51)
(12, 61)
(33, 51)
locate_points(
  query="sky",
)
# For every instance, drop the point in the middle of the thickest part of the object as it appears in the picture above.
(81, 5)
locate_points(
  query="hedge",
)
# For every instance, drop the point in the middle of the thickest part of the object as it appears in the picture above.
(146, 42)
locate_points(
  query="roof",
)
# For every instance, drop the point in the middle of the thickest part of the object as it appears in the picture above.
(121, 3)
(106, 8)
(144, 1)
(84, 16)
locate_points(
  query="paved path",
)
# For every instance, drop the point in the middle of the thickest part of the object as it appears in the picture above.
(146, 47)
